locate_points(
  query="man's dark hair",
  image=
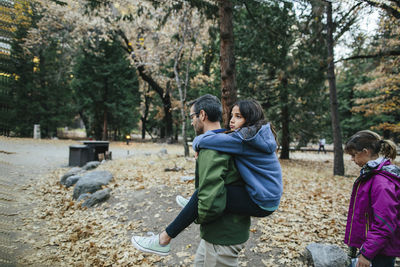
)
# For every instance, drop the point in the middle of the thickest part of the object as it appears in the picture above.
(211, 106)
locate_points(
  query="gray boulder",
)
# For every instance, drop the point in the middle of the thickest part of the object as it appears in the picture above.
(91, 165)
(91, 182)
(84, 196)
(72, 180)
(97, 197)
(163, 151)
(187, 178)
(71, 172)
(326, 255)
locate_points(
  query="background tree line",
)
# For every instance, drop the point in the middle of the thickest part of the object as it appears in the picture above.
(124, 65)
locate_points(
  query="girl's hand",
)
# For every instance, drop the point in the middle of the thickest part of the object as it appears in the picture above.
(196, 155)
(363, 262)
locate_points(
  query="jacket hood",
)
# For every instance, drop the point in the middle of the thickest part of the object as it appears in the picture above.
(387, 166)
(393, 169)
(263, 139)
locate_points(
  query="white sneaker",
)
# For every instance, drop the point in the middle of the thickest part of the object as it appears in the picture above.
(150, 244)
(181, 201)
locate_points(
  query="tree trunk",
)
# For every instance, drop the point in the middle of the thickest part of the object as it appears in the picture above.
(105, 132)
(182, 96)
(184, 84)
(285, 120)
(338, 164)
(143, 118)
(143, 128)
(208, 56)
(168, 112)
(184, 135)
(85, 123)
(104, 135)
(227, 59)
(176, 136)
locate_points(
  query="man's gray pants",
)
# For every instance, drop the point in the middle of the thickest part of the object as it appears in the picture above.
(210, 255)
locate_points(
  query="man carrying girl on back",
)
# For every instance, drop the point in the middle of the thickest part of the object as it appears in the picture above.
(253, 143)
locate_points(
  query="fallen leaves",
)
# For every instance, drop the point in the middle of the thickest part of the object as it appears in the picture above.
(62, 233)
(313, 209)
(65, 234)
(182, 254)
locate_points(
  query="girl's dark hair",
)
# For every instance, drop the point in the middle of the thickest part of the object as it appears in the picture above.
(253, 113)
(372, 141)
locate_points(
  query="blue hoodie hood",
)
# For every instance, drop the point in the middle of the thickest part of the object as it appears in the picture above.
(263, 139)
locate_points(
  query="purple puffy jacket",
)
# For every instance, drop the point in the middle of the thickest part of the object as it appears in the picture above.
(373, 221)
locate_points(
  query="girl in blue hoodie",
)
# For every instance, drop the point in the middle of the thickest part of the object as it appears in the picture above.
(253, 143)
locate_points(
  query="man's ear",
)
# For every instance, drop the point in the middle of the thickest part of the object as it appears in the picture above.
(202, 115)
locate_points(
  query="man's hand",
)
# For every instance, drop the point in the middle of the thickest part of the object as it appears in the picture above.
(363, 262)
(196, 155)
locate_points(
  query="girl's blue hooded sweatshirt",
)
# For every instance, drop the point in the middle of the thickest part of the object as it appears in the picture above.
(255, 159)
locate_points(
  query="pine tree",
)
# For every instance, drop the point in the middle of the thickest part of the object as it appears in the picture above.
(106, 90)
(22, 69)
(279, 63)
(40, 89)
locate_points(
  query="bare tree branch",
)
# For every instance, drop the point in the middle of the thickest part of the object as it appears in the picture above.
(394, 11)
(377, 55)
(347, 24)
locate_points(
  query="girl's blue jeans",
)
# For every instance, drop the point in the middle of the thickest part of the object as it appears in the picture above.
(383, 261)
(238, 201)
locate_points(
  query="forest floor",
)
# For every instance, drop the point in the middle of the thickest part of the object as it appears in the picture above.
(52, 230)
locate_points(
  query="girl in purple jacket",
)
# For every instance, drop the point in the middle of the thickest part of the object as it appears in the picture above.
(373, 221)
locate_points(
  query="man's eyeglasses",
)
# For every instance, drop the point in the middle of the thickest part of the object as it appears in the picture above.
(191, 116)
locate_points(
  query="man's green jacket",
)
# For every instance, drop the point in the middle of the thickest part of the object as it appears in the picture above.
(214, 170)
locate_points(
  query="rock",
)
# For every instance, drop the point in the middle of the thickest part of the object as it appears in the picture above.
(174, 169)
(326, 255)
(71, 172)
(91, 182)
(84, 196)
(97, 197)
(91, 165)
(163, 151)
(187, 178)
(72, 180)
(171, 141)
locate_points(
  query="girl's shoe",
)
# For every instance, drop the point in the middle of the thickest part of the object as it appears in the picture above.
(150, 244)
(181, 201)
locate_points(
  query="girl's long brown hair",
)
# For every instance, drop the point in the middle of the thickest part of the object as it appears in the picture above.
(253, 113)
(370, 140)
